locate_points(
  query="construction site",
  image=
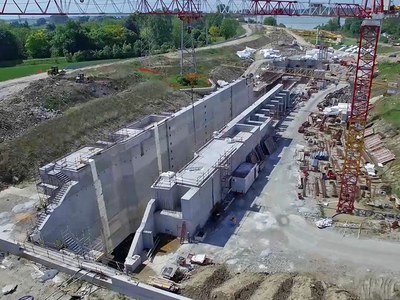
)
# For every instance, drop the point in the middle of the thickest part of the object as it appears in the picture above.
(275, 181)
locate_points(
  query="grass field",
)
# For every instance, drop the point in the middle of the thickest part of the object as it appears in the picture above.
(389, 107)
(36, 66)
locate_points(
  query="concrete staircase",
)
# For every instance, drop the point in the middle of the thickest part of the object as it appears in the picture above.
(62, 177)
(72, 244)
(40, 219)
(64, 182)
(60, 194)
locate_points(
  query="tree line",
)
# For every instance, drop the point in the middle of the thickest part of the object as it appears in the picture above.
(351, 27)
(85, 38)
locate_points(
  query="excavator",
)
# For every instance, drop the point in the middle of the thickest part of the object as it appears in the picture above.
(55, 71)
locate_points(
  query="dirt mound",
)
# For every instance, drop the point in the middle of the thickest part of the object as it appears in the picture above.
(200, 285)
(301, 288)
(274, 287)
(241, 286)
(47, 98)
(227, 73)
(334, 293)
(216, 283)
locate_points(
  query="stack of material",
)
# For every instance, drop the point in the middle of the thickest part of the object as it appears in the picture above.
(376, 148)
(246, 53)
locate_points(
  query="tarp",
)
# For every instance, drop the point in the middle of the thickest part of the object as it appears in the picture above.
(198, 258)
(246, 53)
(341, 108)
(323, 223)
(370, 169)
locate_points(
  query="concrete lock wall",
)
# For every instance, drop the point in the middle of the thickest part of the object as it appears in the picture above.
(79, 204)
(127, 170)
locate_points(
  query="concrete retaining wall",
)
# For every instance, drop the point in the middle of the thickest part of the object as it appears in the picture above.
(127, 170)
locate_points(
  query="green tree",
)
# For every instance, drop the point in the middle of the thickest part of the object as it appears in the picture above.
(10, 48)
(159, 28)
(111, 34)
(84, 19)
(41, 22)
(116, 51)
(214, 20)
(176, 32)
(37, 45)
(57, 20)
(21, 31)
(332, 25)
(271, 21)
(50, 27)
(78, 56)
(72, 37)
(107, 52)
(228, 28)
(355, 27)
(131, 23)
(127, 50)
(214, 31)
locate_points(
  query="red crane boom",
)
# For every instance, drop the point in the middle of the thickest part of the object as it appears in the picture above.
(188, 7)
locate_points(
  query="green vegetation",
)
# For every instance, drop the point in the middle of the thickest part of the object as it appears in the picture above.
(36, 66)
(61, 41)
(389, 110)
(271, 21)
(351, 28)
(86, 39)
(389, 71)
(389, 107)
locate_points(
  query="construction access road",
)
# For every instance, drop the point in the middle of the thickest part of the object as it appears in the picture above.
(271, 236)
(280, 192)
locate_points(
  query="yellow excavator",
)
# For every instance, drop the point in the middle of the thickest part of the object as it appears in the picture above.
(55, 71)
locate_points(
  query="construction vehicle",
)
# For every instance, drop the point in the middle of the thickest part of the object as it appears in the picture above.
(80, 78)
(55, 71)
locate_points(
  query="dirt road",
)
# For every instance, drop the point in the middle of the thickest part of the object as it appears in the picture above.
(300, 40)
(307, 238)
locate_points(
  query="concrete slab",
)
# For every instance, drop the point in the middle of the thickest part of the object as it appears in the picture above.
(78, 159)
(209, 157)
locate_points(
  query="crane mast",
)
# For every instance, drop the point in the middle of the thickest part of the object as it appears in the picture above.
(357, 119)
(371, 11)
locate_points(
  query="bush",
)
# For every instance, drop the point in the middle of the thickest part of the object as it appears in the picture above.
(78, 56)
(116, 51)
(271, 21)
(68, 56)
(188, 80)
(107, 52)
(165, 47)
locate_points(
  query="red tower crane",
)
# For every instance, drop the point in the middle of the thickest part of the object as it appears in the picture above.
(371, 11)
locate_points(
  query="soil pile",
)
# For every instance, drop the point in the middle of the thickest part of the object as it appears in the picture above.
(215, 282)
